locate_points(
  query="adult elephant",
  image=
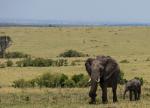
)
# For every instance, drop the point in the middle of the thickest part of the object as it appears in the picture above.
(103, 70)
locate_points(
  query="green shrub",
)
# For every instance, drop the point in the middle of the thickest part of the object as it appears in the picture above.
(53, 81)
(77, 78)
(124, 61)
(9, 63)
(69, 83)
(46, 80)
(49, 80)
(83, 82)
(41, 62)
(121, 79)
(27, 62)
(19, 63)
(72, 53)
(32, 83)
(2, 65)
(62, 79)
(16, 55)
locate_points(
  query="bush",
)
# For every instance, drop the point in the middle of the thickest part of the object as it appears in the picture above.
(83, 82)
(19, 63)
(48, 80)
(72, 53)
(2, 65)
(62, 80)
(77, 78)
(41, 62)
(124, 61)
(16, 55)
(69, 83)
(9, 63)
(53, 81)
(121, 80)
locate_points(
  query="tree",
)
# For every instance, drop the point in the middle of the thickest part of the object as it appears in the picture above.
(5, 42)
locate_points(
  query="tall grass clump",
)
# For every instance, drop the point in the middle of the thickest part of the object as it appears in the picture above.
(41, 62)
(72, 53)
(16, 55)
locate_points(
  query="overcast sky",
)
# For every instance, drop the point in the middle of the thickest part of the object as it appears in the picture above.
(77, 10)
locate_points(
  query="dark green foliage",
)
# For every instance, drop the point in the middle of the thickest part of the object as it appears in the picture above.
(26, 62)
(53, 81)
(69, 83)
(124, 61)
(121, 80)
(9, 63)
(83, 82)
(49, 80)
(77, 78)
(72, 53)
(16, 55)
(32, 83)
(62, 80)
(41, 62)
(141, 80)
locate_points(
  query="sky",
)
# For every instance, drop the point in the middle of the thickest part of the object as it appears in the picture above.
(77, 10)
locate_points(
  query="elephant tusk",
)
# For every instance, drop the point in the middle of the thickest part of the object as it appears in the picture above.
(89, 80)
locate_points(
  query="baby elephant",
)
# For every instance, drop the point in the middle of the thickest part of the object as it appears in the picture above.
(133, 86)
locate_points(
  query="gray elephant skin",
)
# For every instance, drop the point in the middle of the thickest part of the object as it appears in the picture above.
(134, 87)
(103, 70)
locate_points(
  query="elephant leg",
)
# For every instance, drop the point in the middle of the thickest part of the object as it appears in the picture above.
(130, 95)
(124, 93)
(139, 93)
(92, 93)
(104, 95)
(135, 95)
(114, 94)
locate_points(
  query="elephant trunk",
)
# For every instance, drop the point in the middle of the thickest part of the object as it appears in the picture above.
(95, 77)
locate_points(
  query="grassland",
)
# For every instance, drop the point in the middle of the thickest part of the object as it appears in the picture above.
(122, 43)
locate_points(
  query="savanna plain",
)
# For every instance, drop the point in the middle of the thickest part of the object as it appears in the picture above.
(122, 43)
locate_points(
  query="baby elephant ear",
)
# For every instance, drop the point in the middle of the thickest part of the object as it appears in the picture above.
(88, 64)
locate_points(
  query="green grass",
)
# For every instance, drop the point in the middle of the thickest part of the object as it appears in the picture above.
(50, 42)
(122, 43)
(65, 98)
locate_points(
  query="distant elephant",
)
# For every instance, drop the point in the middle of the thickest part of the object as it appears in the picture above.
(105, 71)
(133, 86)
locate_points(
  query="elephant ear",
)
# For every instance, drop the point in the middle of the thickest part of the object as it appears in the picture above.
(110, 68)
(88, 64)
